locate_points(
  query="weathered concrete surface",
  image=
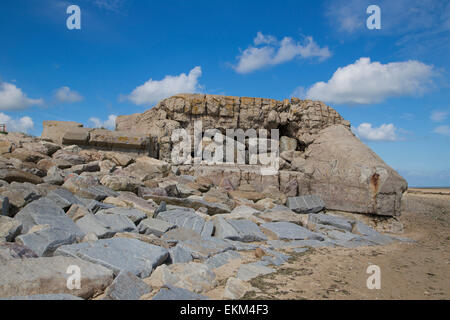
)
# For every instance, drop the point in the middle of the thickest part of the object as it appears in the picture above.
(349, 176)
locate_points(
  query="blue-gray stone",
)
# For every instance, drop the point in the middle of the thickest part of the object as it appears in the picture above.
(238, 230)
(134, 215)
(279, 244)
(116, 222)
(222, 259)
(184, 219)
(329, 220)
(64, 198)
(291, 231)
(95, 206)
(126, 286)
(118, 254)
(90, 224)
(156, 227)
(305, 204)
(203, 248)
(45, 211)
(44, 242)
(179, 254)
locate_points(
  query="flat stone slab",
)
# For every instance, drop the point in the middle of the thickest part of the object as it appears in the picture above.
(49, 276)
(180, 255)
(213, 208)
(187, 219)
(134, 215)
(63, 198)
(118, 254)
(126, 286)
(291, 231)
(330, 220)
(238, 230)
(45, 211)
(116, 222)
(90, 224)
(222, 259)
(250, 271)
(203, 248)
(156, 227)
(305, 204)
(174, 293)
(44, 242)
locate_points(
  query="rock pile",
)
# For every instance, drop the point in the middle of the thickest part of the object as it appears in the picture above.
(138, 229)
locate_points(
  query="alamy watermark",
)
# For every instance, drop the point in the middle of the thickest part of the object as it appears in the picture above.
(74, 20)
(74, 280)
(374, 20)
(235, 147)
(374, 280)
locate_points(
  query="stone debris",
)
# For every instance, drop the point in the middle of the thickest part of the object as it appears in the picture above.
(306, 204)
(140, 226)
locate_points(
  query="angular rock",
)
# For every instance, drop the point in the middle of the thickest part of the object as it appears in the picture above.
(180, 255)
(193, 276)
(44, 242)
(49, 276)
(118, 254)
(213, 208)
(116, 222)
(236, 289)
(11, 251)
(10, 175)
(63, 198)
(44, 211)
(127, 287)
(183, 219)
(222, 259)
(238, 230)
(155, 226)
(203, 248)
(4, 205)
(9, 228)
(134, 215)
(330, 220)
(305, 204)
(290, 231)
(89, 224)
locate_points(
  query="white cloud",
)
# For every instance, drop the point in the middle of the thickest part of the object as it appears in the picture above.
(110, 123)
(23, 124)
(385, 132)
(110, 5)
(155, 90)
(443, 130)
(275, 52)
(366, 82)
(439, 116)
(65, 94)
(12, 98)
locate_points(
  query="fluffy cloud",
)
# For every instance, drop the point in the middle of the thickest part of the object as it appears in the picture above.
(65, 94)
(366, 82)
(439, 116)
(385, 132)
(24, 124)
(443, 130)
(110, 123)
(110, 5)
(155, 90)
(12, 98)
(274, 52)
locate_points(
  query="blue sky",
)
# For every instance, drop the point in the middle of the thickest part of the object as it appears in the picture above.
(391, 83)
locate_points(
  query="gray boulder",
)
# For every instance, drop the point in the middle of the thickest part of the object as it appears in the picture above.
(9, 228)
(45, 211)
(45, 241)
(238, 230)
(290, 231)
(155, 226)
(305, 204)
(127, 287)
(118, 254)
